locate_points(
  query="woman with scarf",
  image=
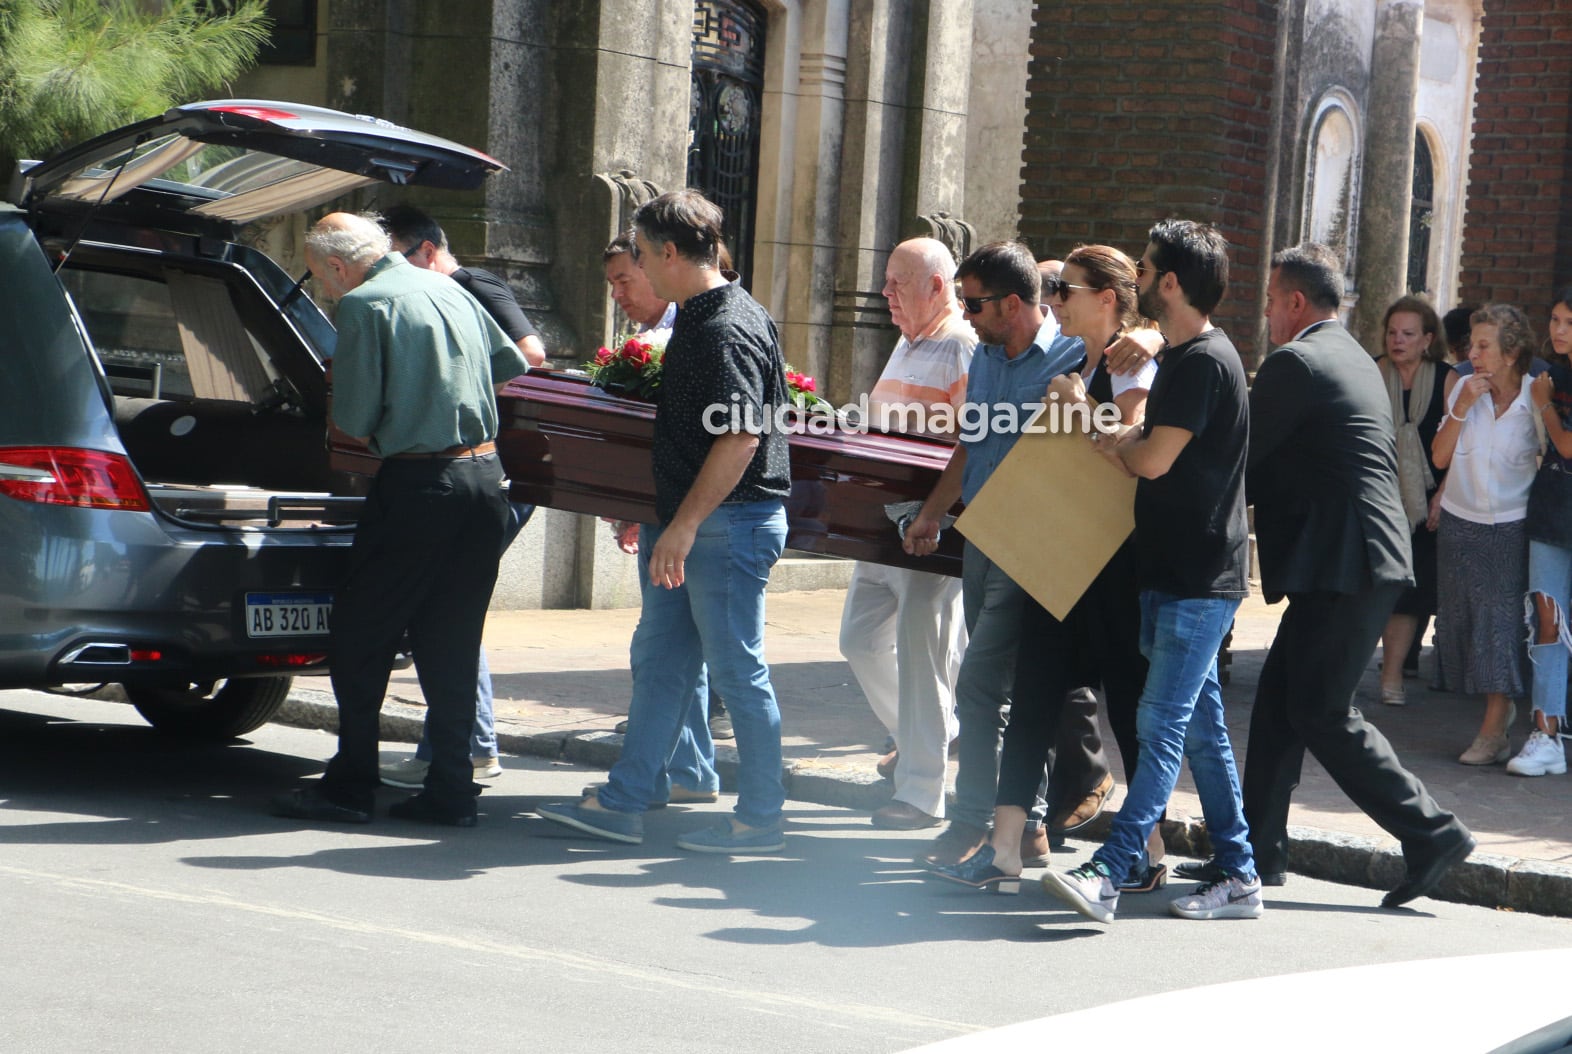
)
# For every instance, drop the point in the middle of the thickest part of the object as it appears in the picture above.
(1415, 371)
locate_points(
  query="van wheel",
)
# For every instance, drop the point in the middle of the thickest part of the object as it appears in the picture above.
(213, 711)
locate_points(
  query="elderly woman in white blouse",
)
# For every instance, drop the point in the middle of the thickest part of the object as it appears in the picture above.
(1488, 443)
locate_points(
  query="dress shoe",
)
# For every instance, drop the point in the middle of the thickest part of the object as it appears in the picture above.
(978, 872)
(1087, 809)
(308, 803)
(959, 841)
(421, 809)
(886, 766)
(1034, 847)
(1487, 750)
(1426, 867)
(903, 816)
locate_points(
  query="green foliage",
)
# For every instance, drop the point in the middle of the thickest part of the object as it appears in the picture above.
(70, 69)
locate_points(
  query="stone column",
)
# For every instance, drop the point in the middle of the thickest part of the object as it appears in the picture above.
(1381, 264)
(800, 176)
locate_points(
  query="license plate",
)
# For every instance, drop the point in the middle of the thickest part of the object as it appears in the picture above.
(288, 614)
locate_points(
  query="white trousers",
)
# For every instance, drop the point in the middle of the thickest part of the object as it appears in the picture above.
(903, 634)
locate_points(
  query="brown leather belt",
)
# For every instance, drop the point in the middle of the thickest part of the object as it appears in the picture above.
(478, 450)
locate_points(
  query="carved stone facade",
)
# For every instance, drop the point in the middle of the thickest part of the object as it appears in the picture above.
(1279, 120)
(864, 137)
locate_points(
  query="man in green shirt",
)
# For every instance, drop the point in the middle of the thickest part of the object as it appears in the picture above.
(414, 377)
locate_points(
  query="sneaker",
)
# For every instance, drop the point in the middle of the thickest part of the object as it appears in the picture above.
(1232, 898)
(725, 838)
(1542, 755)
(1087, 889)
(720, 726)
(627, 827)
(410, 774)
(486, 768)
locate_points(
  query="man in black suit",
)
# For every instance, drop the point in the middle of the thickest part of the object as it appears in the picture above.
(1333, 539)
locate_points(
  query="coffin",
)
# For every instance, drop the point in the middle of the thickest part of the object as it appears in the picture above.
(566, 444)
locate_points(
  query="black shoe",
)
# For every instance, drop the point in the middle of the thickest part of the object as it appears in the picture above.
(1149, 880)
(1208, 872)
(308, 803)
(1426, 868)
(720, 726)
(422, 809)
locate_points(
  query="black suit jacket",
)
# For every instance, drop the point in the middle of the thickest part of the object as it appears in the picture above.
(1322, 470)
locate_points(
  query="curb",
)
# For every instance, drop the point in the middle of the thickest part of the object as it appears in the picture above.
(1483, 880)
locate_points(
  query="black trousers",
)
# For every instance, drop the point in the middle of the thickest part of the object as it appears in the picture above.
(1053, 712)
(1305, 702)
(424, 561)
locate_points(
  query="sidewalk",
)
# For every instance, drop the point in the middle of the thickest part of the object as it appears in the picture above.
(561, 681)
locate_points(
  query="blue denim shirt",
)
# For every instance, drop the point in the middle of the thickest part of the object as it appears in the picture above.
(996, 379)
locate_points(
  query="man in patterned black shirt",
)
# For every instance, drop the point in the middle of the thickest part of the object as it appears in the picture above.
(722, 470)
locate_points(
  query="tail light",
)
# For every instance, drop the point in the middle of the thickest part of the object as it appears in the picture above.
(69, 476)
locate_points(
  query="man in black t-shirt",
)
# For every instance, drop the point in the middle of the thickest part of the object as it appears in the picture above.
(722, 471)
(422, 242)
(1189, 458)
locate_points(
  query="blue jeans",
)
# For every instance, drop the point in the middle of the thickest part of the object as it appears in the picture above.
(1181, 717)
(715, 619)
(483, 738)
(692, 763)
(1549, 573)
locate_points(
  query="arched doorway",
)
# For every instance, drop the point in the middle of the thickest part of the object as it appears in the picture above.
(723, 119)
(1421, 211)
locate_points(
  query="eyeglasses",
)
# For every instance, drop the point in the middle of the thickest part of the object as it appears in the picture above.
(413, 250)
(1054, 286)
(1141, 267)
(974, 303)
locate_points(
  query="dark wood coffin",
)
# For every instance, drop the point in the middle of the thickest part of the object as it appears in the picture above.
(566, 444)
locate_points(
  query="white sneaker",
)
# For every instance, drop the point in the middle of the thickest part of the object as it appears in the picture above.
(1087, 889)
(1232, 898)
(1542, 755)
(486, 768)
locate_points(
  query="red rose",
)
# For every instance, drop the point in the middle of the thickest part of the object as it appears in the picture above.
(636, 353)
(806, 383)
(603, 356)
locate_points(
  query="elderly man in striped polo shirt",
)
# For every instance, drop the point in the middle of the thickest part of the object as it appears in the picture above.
(902, 631)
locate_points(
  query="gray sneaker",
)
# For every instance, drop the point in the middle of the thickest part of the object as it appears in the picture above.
(1232, 898)
(723, 838)
(410, 774)
(1087, 889)
(625, 827)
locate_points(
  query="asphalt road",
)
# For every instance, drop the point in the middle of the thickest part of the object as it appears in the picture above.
(149, 903)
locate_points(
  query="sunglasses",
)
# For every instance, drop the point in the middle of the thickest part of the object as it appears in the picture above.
(1141, 267)
(974, 303)
(1054, 286)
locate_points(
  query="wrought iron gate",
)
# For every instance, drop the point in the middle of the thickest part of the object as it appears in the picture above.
(723, 119)
(1420, 216)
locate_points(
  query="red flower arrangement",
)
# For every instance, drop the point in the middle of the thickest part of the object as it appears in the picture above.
(635, 369)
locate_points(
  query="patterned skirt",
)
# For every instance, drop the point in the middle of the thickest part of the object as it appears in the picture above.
(1483, 574)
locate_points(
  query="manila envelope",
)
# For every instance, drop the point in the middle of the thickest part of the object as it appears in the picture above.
(1051, 516)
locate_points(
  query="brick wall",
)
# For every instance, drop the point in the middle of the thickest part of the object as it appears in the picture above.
(1145, 109)
(1517, 230)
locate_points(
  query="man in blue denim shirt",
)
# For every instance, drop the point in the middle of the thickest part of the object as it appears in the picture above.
(1020, 351)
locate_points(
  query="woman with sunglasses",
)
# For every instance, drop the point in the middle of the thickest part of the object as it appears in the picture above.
(1059, 665)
